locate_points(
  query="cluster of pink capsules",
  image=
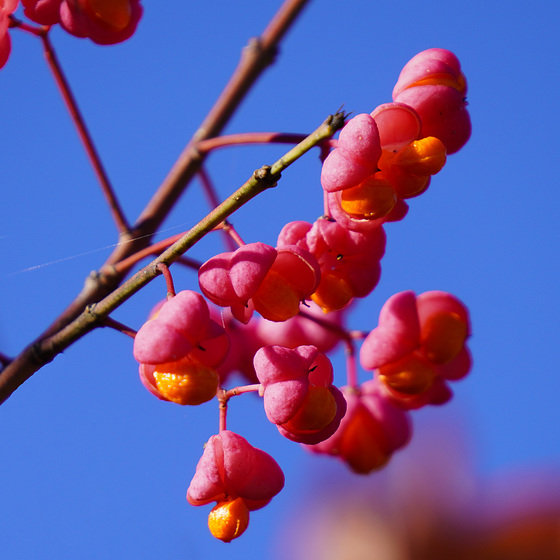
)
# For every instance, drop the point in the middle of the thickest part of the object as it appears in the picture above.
(283, 310)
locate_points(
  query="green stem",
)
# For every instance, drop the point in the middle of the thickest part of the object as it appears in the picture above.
(256, 57)
(262, 179)
(45, 350)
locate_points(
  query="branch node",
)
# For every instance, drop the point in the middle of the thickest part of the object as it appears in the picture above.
(265, 176)
(254, 44)
(90, 309)
(338, 120)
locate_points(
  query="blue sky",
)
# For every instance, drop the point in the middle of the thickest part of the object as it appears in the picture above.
(92, 466)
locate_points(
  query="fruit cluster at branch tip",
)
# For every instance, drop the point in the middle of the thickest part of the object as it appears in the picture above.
(279, 311)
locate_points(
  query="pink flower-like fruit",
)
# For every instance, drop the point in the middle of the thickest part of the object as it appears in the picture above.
(310, 326)
(419, 345)
(238, 477)
(179, 350)
(349, 261)
(298, 392)
(356, 156)
(256, 276)
(434, 85)
(372, 429)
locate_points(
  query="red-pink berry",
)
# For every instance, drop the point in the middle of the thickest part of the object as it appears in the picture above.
(434, 85)
(231, 467)
(348, 260)
(419, 344)
(356, 156)
(398, 125)
(256, 276)
(298, 392)
(179, 349)
(45, 12)
(370, 432)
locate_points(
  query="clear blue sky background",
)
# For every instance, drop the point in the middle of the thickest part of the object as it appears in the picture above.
(91, 465)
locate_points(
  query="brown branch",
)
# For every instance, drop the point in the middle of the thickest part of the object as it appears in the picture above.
(154, 249)
(212, 196)
(4, 360)
(254, 60)
(45, 349)
(256, 57)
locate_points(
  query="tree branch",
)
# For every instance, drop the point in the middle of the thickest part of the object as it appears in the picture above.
(44, 350)
(254, 60)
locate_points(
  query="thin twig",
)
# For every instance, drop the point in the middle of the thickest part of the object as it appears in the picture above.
(212, 196)
(224, 396)
(45, 350)
(255, 59)
(120, 327)
(83, 132)
(248, 138)
(254, 388)
(257, 56)
(222, 407)
(189, 262)
(164, 269)
(152, 250)
(235, 239)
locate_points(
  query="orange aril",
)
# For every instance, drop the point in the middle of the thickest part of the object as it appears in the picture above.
(409, 376)
(186, 381)
(456, 82)
(372, 199)
(228, 520)
(275, 299)
(443, 336)
(333, 292)
(316, 412)
(363, 444)
(426, 156)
